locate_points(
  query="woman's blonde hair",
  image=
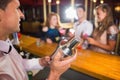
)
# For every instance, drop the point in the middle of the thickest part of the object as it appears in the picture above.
(47, 23)
(106, 22)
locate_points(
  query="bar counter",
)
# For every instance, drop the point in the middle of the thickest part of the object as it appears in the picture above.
(98, 65)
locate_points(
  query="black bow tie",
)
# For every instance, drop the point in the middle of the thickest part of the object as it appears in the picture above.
(10, 48)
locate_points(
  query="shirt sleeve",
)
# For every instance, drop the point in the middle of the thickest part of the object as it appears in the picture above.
(113, 30)
(112, 33)
(89, 29)
(32, 64)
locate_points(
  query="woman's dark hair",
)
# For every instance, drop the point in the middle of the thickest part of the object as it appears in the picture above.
(4, 3)
(80, 6)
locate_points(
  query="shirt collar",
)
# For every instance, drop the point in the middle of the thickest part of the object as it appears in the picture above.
(5, 46)
(78, 23)
(52, 27)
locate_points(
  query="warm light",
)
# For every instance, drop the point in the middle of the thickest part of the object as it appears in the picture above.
(57, 2)
(94, 1)
(101, 1)
(49, 1)
(71, 13)
(117, 8)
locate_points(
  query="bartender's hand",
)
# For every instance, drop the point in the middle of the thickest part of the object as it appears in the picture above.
(44, 61)
(59, 64)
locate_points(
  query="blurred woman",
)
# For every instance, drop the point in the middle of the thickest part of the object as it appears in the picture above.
(51, 28)
(105, 33)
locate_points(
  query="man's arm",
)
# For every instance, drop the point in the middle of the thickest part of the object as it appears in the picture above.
(32, 64)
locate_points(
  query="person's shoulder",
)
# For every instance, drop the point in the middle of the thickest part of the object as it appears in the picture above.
(45, 29)
(114, 26)
(76, 23)
(88, 23)
(113, 29)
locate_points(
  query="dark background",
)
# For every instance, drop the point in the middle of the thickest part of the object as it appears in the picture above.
(27, 7)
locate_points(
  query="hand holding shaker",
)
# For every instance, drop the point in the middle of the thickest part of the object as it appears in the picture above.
(66, 48)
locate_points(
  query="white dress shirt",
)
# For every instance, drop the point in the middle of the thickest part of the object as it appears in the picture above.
(13, 64)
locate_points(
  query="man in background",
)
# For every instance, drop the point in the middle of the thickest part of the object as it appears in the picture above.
(82, 28)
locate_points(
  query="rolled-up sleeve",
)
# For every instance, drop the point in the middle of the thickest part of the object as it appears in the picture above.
(32, 64)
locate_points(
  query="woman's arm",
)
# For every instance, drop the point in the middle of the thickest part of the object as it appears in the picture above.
(111, 39)
(109, 46)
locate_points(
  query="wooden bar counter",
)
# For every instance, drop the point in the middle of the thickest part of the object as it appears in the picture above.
(98, 65)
